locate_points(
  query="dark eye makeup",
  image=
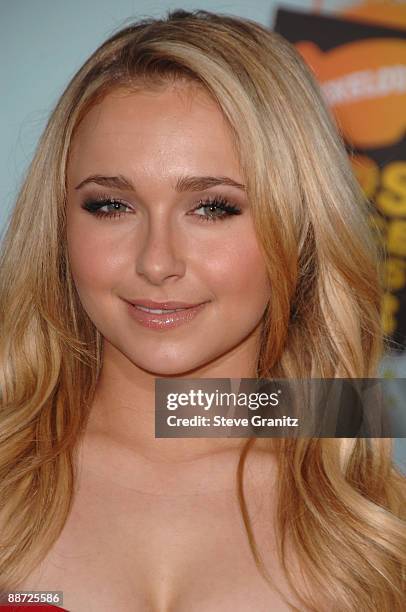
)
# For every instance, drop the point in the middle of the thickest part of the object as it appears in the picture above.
(212, 204)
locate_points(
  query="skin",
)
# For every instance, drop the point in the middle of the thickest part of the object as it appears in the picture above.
(161, 249)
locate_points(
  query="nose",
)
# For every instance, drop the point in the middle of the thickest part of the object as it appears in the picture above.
(159, 257)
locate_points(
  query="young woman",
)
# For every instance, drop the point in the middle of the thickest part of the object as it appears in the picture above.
(190, 165)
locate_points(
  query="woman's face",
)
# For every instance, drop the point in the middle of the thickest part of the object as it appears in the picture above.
(155, 240)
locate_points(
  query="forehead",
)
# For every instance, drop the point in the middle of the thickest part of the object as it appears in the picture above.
(156, 129)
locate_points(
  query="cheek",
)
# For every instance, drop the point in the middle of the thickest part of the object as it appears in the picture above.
(93, 259)
(238, 270)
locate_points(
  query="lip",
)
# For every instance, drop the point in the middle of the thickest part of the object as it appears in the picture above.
(164, 321)
(161, 305)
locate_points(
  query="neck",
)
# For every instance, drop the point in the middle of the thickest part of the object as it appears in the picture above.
(124, 406)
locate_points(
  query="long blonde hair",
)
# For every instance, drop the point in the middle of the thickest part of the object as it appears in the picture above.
(341, 502)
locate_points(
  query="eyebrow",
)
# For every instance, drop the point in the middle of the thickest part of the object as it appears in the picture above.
(184, 183)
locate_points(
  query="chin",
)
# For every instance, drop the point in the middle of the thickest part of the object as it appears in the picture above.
(163, 368)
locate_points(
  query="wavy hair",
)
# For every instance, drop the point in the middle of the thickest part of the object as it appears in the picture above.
(341, 502)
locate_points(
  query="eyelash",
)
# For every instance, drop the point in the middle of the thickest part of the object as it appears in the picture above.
(93, 205)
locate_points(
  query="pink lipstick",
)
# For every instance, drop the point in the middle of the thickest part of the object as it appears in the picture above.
(162, 316)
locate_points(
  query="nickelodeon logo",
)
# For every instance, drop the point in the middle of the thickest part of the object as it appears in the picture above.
(364, 83)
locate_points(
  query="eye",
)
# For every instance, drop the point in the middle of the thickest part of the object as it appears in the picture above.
(95, 206)
(114, 208)
(213, 205)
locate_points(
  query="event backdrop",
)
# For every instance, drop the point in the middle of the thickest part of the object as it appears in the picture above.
(362, 69)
